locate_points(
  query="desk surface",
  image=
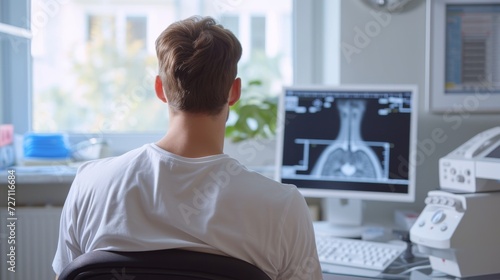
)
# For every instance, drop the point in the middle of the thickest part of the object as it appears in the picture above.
(327, 276)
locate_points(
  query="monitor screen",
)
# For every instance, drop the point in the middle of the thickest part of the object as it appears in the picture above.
(348, 141)
(472, 36)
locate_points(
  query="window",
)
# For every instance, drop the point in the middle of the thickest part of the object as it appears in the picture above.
(1, 83)
(15, 41)
(45, 90)
(137, 30)
(258, 33)
(94, 62)
(99, 26)
(232, 23)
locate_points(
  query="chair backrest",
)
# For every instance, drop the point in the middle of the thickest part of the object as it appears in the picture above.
(172, 264)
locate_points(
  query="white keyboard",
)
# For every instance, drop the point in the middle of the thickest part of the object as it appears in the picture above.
(355, 253)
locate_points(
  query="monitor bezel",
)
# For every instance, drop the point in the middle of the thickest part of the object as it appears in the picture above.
(363, 195)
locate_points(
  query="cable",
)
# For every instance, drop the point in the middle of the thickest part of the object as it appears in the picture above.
(407, 264)
(394, 276)
(437, 274)
(415, 268)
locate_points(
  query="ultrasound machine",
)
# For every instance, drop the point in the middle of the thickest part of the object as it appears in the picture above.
(346, 144)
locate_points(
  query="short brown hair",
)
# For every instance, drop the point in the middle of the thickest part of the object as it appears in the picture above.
(197, 64)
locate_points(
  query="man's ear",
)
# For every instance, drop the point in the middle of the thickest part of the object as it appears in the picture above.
(235, 92)
(160, 93)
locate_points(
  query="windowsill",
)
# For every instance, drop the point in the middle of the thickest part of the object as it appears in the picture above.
(49, 174)
(65, 174)
(258, 155)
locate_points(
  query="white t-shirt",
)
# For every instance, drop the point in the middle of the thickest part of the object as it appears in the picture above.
(150, 199)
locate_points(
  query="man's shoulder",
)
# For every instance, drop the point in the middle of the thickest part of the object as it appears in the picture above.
(258, 177)
(261, 184)
(125, 159)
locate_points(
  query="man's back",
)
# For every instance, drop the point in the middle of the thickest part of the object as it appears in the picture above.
(150, 199)
(193, 196)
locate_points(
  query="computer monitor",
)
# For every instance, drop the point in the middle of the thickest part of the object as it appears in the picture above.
(347, 144)
(463, 61)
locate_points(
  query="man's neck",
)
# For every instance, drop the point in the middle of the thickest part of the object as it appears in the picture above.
(194, 135)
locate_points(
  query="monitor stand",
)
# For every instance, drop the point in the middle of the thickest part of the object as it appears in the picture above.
(342, 217)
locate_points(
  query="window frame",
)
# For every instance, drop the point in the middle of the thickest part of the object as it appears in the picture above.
(307, 51)
(16, 109)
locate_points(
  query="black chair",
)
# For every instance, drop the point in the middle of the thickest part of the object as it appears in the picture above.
(172, 264)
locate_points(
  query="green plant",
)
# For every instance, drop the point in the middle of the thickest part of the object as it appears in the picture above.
(254, 114)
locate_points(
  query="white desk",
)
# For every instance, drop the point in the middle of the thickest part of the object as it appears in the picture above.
(39, 186)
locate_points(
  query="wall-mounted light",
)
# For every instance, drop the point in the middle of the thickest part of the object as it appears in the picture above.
(388, 5)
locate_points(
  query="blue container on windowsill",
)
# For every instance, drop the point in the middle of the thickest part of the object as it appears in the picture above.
(46, 146)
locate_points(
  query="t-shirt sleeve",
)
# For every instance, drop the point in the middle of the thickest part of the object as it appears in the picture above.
(67, 244)
(298, 245)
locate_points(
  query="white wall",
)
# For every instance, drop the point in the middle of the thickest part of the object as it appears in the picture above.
(395, 53)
